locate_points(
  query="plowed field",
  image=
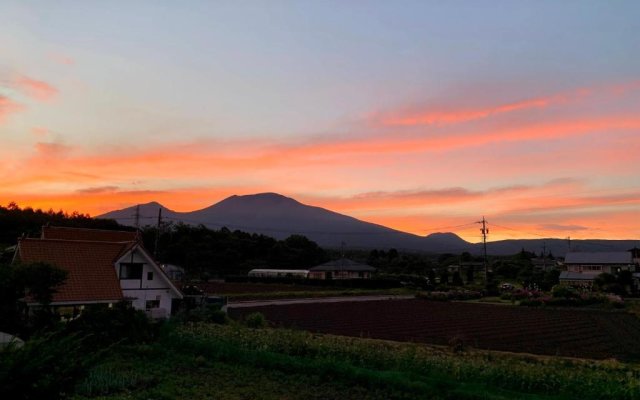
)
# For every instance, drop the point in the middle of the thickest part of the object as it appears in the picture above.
(564, 332)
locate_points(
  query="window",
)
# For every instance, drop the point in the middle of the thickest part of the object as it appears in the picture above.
(131, 271)
(149, 276)
(149, 304)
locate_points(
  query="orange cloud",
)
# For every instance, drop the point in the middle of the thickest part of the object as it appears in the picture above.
(440, 115)
(445, 117)
(38, 90)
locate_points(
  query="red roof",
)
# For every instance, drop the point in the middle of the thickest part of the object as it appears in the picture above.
(99, 235)
(92, 275)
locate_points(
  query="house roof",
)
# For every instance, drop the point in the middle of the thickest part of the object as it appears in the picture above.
(99, 235)
(90, 264)
(343, 264)
(610, 257)
(576, 276)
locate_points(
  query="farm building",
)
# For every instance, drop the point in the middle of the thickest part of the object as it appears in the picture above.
(104, 267)
(583, 267)
(341, 269)
(279, 273)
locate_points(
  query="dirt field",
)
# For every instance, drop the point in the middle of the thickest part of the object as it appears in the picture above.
(232, 288)
(565, 332)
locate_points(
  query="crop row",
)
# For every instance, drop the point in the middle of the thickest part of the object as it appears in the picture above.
(577, 333)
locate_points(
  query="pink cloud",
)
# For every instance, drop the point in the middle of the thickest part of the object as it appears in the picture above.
(62, 59)
(8, 107)
(39, 131)
(39, 90)
(448, 114)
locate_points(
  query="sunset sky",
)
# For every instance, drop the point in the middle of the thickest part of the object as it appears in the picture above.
(422, 116)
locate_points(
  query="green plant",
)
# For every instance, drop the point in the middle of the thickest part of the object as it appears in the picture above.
(46, 367)
(255, 320)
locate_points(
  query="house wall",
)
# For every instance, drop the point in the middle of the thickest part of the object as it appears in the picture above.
(596, 269)
(316, 275)
(339, 275)
(577, 283)
(156, 290)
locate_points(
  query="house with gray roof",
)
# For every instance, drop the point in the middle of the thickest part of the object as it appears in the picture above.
(341, 269)
(581, 268)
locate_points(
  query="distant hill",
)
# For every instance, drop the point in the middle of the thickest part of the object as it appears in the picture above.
(279, 216)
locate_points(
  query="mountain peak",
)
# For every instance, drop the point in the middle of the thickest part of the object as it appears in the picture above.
(267, 198)
(443, 235)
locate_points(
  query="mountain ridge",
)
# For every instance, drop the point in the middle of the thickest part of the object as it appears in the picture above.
(280, 216)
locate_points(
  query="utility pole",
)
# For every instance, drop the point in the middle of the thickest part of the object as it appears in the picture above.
(569, 242)
(485, 232)
(155, 247)
(544, 255)
(136, 217)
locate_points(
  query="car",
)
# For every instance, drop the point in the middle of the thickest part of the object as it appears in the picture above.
(507, 286)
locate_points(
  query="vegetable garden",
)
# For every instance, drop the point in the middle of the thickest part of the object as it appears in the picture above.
(565, 332)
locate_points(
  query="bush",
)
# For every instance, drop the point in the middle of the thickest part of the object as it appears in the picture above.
(46, 367)
(209, 313)
(564, 291)
(450, 295)
(255, 320)
(106, 326)
(582, 300)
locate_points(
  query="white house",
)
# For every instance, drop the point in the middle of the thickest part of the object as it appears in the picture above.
(104, 267)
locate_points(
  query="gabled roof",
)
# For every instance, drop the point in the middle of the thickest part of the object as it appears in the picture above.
(343, 264)
(609, 257)
(90, 264)
(99, 235)
(137, 247)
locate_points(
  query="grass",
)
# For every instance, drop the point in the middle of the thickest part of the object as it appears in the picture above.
(234, 362)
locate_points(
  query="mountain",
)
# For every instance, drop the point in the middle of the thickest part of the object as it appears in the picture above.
(278, 216)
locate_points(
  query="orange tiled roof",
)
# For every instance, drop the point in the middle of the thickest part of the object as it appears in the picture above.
(99, 235)
(92, 275)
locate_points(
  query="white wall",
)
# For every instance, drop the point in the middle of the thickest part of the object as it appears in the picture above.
(145, 289)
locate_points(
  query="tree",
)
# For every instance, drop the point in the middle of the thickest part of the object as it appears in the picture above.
(625, 280)
(457, 279)
(40, 280)
(392, 254)
(465, 256)
(606, 282)
(431, 275)
(470, 277)
(444, 277)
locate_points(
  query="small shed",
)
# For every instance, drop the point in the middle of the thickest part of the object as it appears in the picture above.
(341, 269)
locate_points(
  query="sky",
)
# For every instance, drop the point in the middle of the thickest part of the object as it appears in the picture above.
(423, 116)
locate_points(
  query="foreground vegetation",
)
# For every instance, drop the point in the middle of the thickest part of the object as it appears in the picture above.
(229, 362)
(119, 354)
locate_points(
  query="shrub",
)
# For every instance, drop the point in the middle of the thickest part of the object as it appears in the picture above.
(255, 320)
(46, 367)
(209, 313)
(450, 295)
(106, 326)
(457, 343)
(564, 291)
